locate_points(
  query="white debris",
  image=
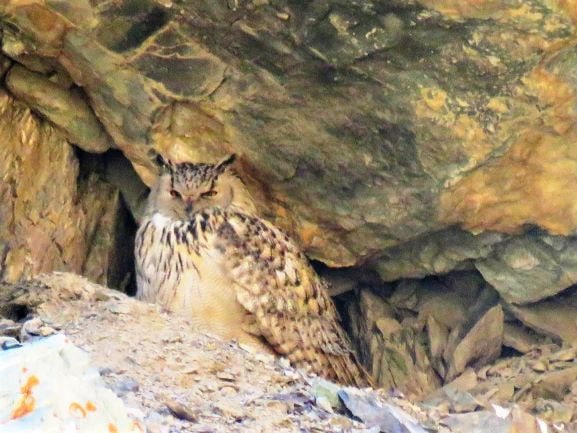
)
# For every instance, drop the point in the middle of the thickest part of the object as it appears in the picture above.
(48, 386)
(500, 411)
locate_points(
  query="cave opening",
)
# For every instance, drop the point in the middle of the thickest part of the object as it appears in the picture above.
(114, 168)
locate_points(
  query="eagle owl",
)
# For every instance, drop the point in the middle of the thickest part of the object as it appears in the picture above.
(202, 251)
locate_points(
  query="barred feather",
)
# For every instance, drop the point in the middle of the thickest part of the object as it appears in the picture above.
(240, 276)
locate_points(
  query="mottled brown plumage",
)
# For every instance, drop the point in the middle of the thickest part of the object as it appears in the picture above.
(202, 251)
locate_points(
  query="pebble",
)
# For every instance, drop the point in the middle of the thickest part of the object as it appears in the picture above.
(105, 371)
(156, 423)
(324, 403)
(284, 363)
(228, 391)
(9, 328)
(126, 385)
(223, 375)
(230, 409)
(7, 343)
(31, 328)
(120, 308)
(180, 411)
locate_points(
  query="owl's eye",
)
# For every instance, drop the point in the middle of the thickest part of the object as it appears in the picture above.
(175, 193)
(210, 193)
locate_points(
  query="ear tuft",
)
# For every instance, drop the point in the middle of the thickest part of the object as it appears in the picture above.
(225, 162)
(164, 163)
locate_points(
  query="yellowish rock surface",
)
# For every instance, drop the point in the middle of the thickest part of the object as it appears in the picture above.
(48, 220)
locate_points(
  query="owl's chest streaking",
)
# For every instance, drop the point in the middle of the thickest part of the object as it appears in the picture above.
(178, 267)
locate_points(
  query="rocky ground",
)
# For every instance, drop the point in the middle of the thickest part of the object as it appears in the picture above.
(179, 379)
(455, 331)
(176, 379)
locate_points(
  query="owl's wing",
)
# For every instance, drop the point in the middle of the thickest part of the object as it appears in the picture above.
(294, 313)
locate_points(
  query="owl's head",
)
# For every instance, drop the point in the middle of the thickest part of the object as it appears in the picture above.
(185, 188)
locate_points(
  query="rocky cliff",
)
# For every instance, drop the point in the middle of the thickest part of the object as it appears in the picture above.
(409, 138)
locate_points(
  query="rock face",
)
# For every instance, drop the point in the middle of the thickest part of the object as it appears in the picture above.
(362, 126)
(411, 138)
(50, 217)
(65, 109)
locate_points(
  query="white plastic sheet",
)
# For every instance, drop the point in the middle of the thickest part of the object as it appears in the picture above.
(48, 386)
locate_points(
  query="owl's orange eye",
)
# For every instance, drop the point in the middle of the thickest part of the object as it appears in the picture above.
(210, 193)
(175, 193)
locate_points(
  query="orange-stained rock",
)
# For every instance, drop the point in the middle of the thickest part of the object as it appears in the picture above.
(533, 182)
(462, 9)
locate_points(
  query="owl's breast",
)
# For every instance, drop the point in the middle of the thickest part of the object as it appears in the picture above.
(180, 269)
(163, 261)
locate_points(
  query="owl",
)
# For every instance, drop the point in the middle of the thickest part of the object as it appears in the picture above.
(203, 252)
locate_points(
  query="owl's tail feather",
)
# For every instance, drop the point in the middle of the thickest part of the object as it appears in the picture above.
(347, 370)
(318, 344)
(327, 351)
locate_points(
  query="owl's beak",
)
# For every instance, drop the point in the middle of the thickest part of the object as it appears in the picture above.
(188, 206)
